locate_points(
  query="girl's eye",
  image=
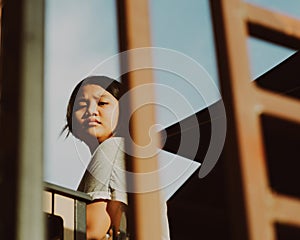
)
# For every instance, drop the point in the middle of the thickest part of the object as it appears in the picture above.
(80, 105)
(101, 103)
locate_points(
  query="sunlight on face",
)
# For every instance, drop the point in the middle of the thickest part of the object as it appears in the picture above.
(95, 114)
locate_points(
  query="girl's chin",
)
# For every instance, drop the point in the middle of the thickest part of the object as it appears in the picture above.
(91, 136)
(87, 137)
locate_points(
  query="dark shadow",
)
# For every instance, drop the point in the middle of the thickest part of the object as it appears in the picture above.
(54, 227)
(198, 210)
(285, 232)
(282, 145)
(284, 78)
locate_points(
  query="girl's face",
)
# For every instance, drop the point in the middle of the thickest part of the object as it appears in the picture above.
(95, 114)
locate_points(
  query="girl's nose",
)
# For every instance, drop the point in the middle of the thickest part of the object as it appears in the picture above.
(93, 110)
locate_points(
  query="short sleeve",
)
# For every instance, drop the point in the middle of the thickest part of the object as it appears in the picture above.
(118, 177)
(105, 176)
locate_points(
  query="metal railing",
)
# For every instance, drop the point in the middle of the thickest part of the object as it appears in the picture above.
(80, 200)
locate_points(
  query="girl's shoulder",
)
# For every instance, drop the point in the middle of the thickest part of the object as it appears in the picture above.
(110, 144)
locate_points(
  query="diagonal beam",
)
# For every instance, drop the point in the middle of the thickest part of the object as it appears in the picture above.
(273, 26)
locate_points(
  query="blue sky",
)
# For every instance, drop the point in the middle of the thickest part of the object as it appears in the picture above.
(80, 34)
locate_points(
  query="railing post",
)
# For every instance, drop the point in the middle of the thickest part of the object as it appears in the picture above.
(79, 220)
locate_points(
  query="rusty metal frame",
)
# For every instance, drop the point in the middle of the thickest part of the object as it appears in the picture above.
(134, 32)
(255, 207)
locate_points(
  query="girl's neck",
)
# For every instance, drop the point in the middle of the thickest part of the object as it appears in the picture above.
(92, 145)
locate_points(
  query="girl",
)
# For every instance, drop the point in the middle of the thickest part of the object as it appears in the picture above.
(92, 117)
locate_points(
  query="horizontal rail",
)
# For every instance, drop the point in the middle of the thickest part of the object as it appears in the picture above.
(76, 195)
(273, 26)
(286, 209)
(278, 105)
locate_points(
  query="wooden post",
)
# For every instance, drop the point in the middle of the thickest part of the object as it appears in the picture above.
(135, 31)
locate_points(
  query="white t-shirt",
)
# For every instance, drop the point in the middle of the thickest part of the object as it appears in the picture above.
(105, 177)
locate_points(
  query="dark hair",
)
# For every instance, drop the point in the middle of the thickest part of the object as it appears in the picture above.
(114, 87)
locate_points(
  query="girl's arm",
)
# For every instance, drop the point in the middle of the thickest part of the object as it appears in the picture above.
(115, 210)
(101, 215)
(97, 220)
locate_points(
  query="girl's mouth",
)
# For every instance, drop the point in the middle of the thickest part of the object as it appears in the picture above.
(92, 121)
